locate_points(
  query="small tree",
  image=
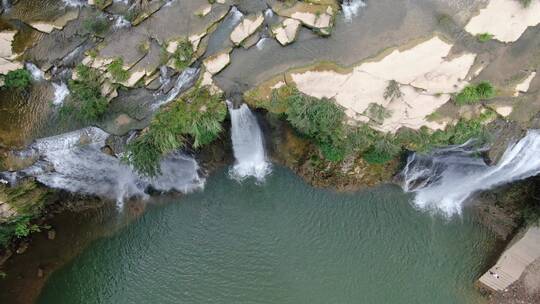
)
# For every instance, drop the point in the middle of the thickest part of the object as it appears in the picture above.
(17, 79)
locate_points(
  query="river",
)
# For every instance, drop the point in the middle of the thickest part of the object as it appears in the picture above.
(279, 241)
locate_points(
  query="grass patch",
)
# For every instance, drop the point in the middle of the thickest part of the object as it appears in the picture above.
(197, 116)
(473, 93)
(87, 104)
(183, 55)
(116, 69)
(484, 37)
(96, 25)
(17, 79)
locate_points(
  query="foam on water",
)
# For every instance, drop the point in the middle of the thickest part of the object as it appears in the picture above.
(350, 9)
(37, 74)
(61, 91)
(447, 178)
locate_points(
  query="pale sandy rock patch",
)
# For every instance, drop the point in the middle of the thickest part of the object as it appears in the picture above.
(216, 63)
(426, 80)
(504, 111)
(506, 20)
(523, 86)
(286, 32)
(58, 24)
(247, 27)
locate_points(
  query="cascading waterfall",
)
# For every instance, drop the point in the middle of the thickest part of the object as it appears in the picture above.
(248, 148)
(446, 178)
(120, 22)
(75, 3)
(61, 91)
(351, 8)
(37, 74)
(74, 162)
(6, 5)
(184, 81)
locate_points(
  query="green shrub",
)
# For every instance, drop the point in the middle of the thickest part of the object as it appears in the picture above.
(525, 3)
(321, 120)
(88, 103)
(484, 37)
(392, 91)
(183, 55)
(383, 150)
(474, 93)
(97, 25)
(377, 113)
(116, 68)
(17, 79)
(198, 115)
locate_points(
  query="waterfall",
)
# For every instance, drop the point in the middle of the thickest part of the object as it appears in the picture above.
(75, 3)
(61, 91)
(236, 16)
(6, 5)
(37, 74)
(120, 22)
(74, 162)
(184, 81)
(446, 178)
(351, 8)
(248, 148)
(268, 14)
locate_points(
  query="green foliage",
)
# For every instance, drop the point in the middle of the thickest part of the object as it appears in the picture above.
(392, 91)
(321, 120)
(18, 227)
(473, 93)
(97, 25)
(116, 68)
(17, 79)
(88, 104)
(384, 149)
(198, 115)
(183, 55)
(525, 3)
(377, 113)
(484, 37)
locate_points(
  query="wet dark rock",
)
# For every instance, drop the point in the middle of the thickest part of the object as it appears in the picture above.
(504, 134)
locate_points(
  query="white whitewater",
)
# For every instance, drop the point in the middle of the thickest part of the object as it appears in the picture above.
(37, 74)
(248, 147)
(351, 8)
(120, 22)
(74, 162)
(183, 82)
(61, 91)
(75, 3)
(445, 179)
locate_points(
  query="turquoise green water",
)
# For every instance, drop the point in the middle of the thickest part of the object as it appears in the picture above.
(280, 242)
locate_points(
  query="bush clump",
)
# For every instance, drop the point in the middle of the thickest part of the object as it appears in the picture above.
(96, 25)
(17, 79)
(183, 55)
(473, 93)
(87, 104)
(197, 116)
(116, 69)
(484, 37)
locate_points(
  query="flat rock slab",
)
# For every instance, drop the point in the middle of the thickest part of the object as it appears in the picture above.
(513, 261)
